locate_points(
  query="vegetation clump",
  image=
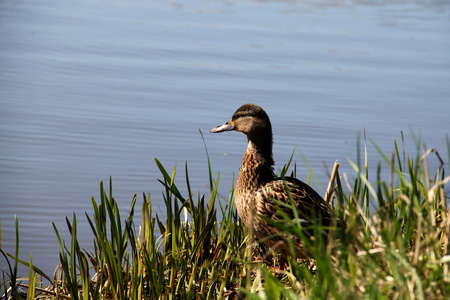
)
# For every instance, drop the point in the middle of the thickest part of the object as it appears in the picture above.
(398, 250)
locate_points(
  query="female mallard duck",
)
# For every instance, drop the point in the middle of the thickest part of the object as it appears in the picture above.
(258, 190)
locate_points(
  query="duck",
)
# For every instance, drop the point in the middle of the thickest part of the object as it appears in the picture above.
(260, 195)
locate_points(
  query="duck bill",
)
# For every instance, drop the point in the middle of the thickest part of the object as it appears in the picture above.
(225, 127)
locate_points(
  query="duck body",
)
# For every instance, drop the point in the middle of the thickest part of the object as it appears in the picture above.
(260, 193)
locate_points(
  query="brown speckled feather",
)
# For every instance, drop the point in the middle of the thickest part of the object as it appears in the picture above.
(306, 200)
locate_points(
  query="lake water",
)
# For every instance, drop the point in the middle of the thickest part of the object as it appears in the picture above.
(93, 89)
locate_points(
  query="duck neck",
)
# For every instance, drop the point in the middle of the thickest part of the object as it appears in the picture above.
(262, 148)
(257, 164)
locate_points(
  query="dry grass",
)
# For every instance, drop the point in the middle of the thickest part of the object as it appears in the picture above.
(398, 251)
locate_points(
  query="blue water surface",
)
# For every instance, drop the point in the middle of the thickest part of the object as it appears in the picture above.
(93, 89)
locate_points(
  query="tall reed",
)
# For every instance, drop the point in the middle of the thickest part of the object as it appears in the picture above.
(395, 244)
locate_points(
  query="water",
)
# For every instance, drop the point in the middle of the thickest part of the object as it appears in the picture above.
(93, 89)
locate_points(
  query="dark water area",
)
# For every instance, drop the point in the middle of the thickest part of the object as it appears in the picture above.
(93, 89)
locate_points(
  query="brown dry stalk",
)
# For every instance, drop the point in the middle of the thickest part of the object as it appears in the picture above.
(330, 189)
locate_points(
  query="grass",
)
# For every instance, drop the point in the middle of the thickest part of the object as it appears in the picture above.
(400, 250)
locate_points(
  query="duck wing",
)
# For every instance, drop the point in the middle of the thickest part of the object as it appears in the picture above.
(309, 204)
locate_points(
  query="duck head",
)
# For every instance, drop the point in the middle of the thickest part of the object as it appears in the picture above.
(253, 121)
(249, 119)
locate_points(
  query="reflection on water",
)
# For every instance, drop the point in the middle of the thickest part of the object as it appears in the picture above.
(92, 90)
